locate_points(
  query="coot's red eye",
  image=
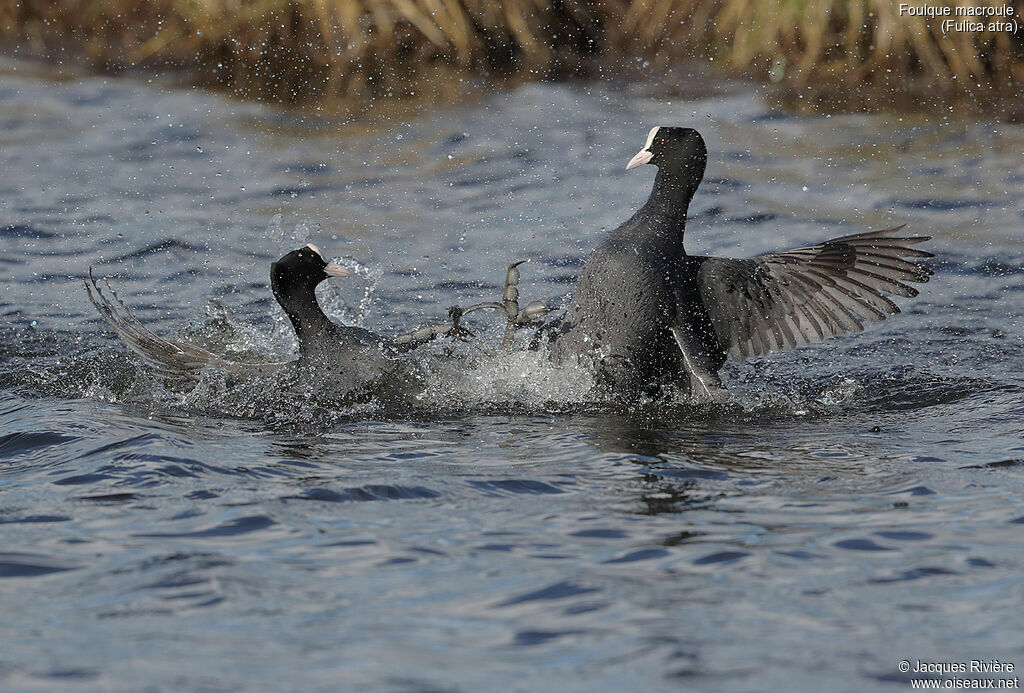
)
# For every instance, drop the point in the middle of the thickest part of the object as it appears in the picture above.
(664, 142)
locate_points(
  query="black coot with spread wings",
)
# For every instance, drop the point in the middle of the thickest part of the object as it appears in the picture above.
(646, 313)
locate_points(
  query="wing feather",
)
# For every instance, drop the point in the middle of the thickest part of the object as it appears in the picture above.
(782, 301)
(175, 360)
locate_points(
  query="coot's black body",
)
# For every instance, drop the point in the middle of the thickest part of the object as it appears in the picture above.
(332, 357)
(645, 313)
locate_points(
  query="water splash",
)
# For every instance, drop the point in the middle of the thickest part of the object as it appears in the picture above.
(334, 304)
(519, 380)
(452, 379)
(275, 228)
(222, 332)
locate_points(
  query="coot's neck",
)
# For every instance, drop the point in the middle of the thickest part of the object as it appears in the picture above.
(300, 303)
(670, 199)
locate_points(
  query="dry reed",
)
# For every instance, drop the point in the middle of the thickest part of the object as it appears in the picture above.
(864, 40)
(300, 49)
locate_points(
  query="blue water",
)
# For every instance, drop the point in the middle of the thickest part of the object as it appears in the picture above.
(845, 507)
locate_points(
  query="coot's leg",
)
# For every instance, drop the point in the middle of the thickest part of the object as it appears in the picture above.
(407, 341)
(508, 306)
(701, 371)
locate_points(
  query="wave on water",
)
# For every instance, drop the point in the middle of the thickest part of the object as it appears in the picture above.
(453, 379)
(449, 379)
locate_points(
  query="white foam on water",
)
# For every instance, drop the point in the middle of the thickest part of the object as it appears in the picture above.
(522, 379)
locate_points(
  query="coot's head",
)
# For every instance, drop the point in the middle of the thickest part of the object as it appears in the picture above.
(673, 147)
(302, 270)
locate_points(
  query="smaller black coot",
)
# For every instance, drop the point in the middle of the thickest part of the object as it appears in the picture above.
(335, 360)
(294, 279)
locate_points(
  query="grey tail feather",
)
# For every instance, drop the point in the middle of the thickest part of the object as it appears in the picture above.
(174, 360)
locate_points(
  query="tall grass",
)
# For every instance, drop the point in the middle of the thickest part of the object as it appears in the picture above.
(300, 49)
(860, 40)
(293, 49)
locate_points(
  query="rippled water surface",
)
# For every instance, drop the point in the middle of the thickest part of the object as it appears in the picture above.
(845, 507)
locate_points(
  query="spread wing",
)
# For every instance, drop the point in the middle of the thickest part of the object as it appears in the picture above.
(786, 300)
(175, 360)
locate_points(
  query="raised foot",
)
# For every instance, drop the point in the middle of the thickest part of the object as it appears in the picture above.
(516, 318)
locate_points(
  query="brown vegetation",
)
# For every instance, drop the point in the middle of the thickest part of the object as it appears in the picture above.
(301, 49)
